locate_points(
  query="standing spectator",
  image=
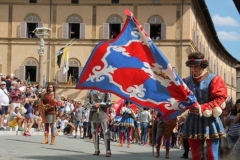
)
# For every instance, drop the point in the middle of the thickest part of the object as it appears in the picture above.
(78, 112)
(15, 119)
(86, 125)
(224, 141)
(211, 93)
(234, 128)
(181, 140)
(144, 118)
(150, 130)
(8, 83)
(29, 119)
(16, 96)
(235, 154)
(4, 99)
(137, 126)
(61, 108)
(13, 83)
(67, 107)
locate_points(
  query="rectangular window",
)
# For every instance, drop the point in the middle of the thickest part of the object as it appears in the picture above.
(115, 1)
(74, 72)
(74, 1)
(32, 1)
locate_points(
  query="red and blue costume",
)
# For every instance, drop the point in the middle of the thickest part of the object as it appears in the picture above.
(211, 93)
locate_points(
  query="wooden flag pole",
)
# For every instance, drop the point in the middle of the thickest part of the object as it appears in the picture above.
(68, 44)
(153, 133)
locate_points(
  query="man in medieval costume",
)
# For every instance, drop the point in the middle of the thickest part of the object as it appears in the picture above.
(99, 102)
(202, 123)
(48, 110)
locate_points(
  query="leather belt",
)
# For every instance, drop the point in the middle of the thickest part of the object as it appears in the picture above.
(194, 111)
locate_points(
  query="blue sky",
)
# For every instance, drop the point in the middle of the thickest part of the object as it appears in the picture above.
(226, 20)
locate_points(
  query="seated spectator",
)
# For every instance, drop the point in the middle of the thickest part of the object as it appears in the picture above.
(66, 127)
(37, 121)
(15, 119)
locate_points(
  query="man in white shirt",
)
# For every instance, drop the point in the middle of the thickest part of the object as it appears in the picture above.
(15, 119)
(86, 126)
(4, 102)
(78, 118)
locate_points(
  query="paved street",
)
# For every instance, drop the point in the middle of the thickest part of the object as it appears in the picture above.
(66, 148)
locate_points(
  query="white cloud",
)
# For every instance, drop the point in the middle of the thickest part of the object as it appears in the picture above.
(224, 21)
(228, 36)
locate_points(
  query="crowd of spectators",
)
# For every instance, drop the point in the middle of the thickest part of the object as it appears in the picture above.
(19, 107)
(72, 116)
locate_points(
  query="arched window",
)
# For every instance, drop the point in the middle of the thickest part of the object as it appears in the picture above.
(74, 71)
(30, 24)
(113, 27)
(73, 28)
(155, 27)
(29, 69)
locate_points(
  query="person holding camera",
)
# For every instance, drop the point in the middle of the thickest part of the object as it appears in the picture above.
(29, 121)
(99, 102)
(17, 97)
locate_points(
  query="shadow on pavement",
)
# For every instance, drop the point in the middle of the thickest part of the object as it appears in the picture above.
(22, 141)
(65, 150)
(131, 156)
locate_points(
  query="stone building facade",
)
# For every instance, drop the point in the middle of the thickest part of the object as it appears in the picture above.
(178, 27)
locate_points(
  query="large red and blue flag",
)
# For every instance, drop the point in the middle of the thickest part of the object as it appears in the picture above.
(132, 67)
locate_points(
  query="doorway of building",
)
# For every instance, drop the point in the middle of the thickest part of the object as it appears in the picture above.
(32, 72)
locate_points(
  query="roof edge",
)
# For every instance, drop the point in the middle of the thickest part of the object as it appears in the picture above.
(211, 27)
(237, 4)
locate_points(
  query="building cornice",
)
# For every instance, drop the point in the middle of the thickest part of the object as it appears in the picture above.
(237, 4)
(204, 14)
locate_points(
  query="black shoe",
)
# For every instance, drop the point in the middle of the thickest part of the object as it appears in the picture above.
(184, 157)
(2, 129)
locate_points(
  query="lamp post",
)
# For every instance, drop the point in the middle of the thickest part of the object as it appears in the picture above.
(40, 32)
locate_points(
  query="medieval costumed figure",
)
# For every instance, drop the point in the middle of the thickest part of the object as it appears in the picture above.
(164, 132)
(126, 123)
(202, 124)
(99, 102)
(47, 109)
